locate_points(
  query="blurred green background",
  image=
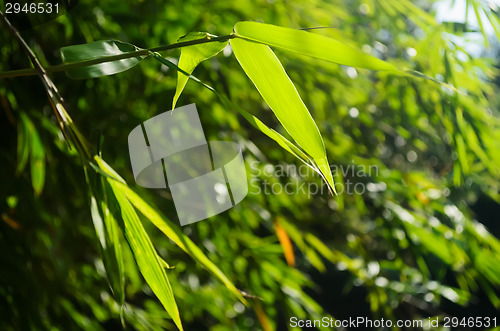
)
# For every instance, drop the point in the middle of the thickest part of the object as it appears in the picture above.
(419, 239)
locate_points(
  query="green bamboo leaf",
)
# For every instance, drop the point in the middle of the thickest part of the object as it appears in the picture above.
(254, 121)
(475, 6)
(167, 227)
(95, 50)
(192, 56)
(37, 162)
(309, 44)
(24, 128)
(266, 72)
(145, 255)
(115, 258)
(107, 231)
(298, 239)
(110, 249)
(494, 22)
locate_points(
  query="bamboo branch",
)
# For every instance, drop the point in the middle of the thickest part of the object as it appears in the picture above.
(111, 58)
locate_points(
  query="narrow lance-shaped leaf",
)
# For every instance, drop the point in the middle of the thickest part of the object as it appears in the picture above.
(145, 254)
(254, 121)
(480, 22)
(320, 47)
(108, 234)
(269, 77)
(310, 44)
(193, 55)
(115, 250)
(167, 227)
(95, 50)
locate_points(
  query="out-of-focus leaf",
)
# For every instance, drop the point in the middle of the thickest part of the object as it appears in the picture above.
(193, 55)
(95, 50)
(298, 239)
(145, 254)
(488, 264)
(169, 229)
(24, 128)
(263, 319)
(266, 72)
(407, 7)
(286, 243)
(494, 22)
(309, 44)
(480, 21)
(37, 162)
(462, 154)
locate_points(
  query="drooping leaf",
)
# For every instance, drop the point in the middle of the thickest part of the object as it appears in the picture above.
(310, 44)
(145, 255)
(167, 227)
(192, 56)
(96, 50)
(266, 72)
(254, 121)
(114, 248)
(107, 231)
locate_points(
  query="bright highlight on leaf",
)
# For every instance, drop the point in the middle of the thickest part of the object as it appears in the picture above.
(95, 50)
(144, 252)
(266, 72)
(310, 44)
(193, 55)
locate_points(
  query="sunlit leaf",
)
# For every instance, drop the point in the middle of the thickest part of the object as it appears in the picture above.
(266, 72)
(167, 227)
(254, 121)
(309, 44)
(95, 50)
(145, 254)
(193, 55)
